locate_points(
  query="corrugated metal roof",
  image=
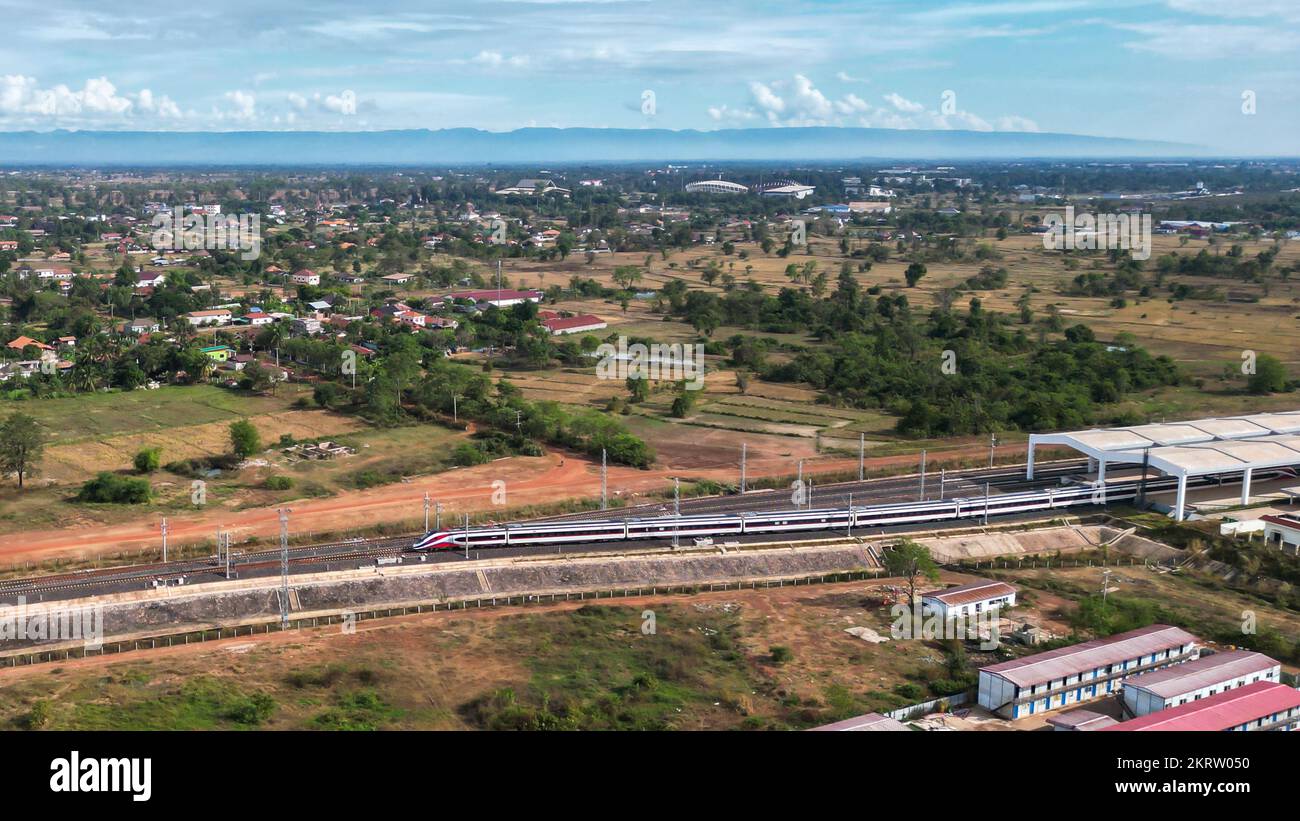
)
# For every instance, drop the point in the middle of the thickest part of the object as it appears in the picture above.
(1218, 712)
(973, 592)
(1081, 720)
(1205, 671)
(1078, 658)
(871, 722)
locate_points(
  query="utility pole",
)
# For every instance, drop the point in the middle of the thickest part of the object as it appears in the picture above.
(284, 567)
(1142, 485)
(519, 423)
(800, 480)
(943, 480)
(993, 443)
(1105, 584)
(923, 475)
(744, 453)
(850, 532)
(467, 535)
(677, 509)
(862, 452)
(986, 503)
(604, 486)
(426, 512)
(437, 515)
(455, 412)
(164, 540)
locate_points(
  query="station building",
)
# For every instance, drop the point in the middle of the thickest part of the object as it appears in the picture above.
(1206, 676)
(1080, 672)
(1235, 446)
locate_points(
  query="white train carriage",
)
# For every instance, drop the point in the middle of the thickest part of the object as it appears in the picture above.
(785, 521)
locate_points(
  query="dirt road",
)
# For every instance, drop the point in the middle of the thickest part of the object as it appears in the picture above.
(528, 481)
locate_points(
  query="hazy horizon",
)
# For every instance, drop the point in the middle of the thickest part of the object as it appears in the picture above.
(1183, 71)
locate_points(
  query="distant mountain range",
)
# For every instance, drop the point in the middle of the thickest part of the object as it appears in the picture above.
(469, 146)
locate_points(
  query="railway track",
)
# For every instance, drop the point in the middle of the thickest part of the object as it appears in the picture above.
(128, 577)
(89, 580)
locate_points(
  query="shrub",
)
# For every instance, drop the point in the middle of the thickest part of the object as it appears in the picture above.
(279, 482)
(148, 460)
(110, 488)
(467, 453)
(780, 654)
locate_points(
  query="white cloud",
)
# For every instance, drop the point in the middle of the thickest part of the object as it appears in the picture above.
(798, 102)
(21, 95)
(245, 105)
(495, 59)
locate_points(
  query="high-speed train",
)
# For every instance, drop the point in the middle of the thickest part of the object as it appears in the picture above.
(784, 521)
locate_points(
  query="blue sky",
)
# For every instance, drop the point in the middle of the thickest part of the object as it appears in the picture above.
(1165, 69)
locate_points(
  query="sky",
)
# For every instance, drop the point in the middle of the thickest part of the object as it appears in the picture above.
(1216, 74)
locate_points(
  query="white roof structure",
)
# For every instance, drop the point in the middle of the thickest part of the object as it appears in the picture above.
(1233, 444)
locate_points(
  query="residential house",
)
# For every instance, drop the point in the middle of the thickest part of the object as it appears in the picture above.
(214, 316)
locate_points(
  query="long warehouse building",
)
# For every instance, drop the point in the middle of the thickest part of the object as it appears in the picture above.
(1206, 676)
(1080, 672)
(1265, 705)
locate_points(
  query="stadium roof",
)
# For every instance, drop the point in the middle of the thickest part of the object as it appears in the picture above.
(1206, 671)
(1231, 708)
(1090, 655)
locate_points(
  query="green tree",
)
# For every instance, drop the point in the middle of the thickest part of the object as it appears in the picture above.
(22, 441)
(148, 460)
(244, 439)
(914, 273)
(911, 561)
(1270, 376)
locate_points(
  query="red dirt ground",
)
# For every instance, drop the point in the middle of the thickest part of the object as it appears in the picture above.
(529, 481)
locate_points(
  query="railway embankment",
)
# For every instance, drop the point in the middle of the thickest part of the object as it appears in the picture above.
(198, 612)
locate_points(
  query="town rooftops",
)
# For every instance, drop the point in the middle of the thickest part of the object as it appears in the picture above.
(1205, 671)
(1090, 655)
(973, 592)
(1231, 708)
(871, 722)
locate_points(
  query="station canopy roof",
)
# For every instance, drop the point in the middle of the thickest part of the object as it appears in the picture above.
(1195, 448)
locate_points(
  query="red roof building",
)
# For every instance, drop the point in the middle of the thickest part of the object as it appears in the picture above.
(574, 324)
(1264, 705)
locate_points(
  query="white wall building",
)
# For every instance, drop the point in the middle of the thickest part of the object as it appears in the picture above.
(969, 599)
(1194, 680)
(1080, 672)
(1282, 531)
